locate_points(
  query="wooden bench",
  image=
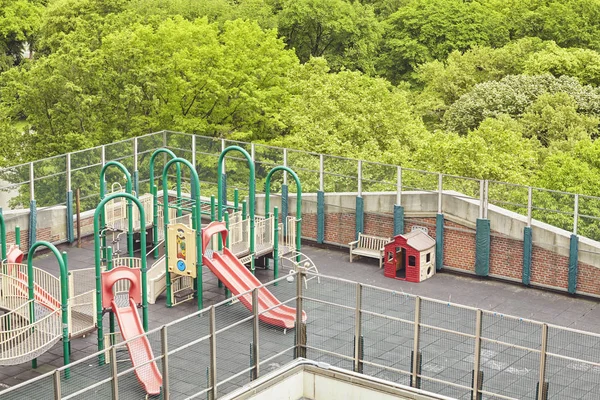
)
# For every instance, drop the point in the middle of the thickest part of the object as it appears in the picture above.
(368, 246)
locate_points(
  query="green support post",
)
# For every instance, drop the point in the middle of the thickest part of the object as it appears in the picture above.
(128, 189)
(276, 244)
(320, 216)
(3, 235)
(527, 255)
(17, 236)
(212, 208)
(97, 263)
(244, 210)
(154, 191)
(398, 220)
(70, 235)
(196, 215)
(226, 216)
(573, 263)
(64, 294)
(236, 200)
(482, 247)
(360, 215)
(252, 186)
(298, 202)
(111, 315)
(439, 242)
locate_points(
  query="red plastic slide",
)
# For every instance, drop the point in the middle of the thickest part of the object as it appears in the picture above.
(238, 279)
(131, 327)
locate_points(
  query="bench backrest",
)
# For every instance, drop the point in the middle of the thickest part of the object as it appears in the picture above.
(372, 242)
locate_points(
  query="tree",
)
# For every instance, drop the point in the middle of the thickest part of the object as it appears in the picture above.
(512, 95)
(426, 30)
(583, 64)
(19, 20)
(345, 33)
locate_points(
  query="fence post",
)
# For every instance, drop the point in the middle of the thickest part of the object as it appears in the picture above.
(573, 251)
(32, 207)
(69, 204)
(357, 330)
(481, 198)
(440, 192)
(213, 355)
(415, 381)
(57, 391)
(255, 338)
(482, 234)
(321, 203)
(165, 362)
(300, 330)
(360, 204)
(398, 208)
(527, 241)
(193, 152)
(477, 374)
(542, 386)
(114, 373)
(284, 195)
(136, 173)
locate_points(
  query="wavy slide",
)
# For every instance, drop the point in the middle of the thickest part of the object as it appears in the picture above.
(238, 279)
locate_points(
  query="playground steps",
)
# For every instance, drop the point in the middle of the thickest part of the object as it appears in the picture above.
(184, 294)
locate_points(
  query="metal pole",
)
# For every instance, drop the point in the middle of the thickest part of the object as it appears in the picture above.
(194, 150)
(357, 328)
(481, 195)
(440, 192)
(56, 376)
(68, 172)
(486, 198)
(252, 152)
(103, 155)
(477, 357)
(285, 164)
(542, 395)
(321, 173)
(415, 355)
(114, 373)
(529, 205)
(165, 362)
(213, 354)
(78, 212)
(255, 338)
(31, 182)
(575, 214)
(135, 156)
(359, 178)
(300, 343)
(399, 187)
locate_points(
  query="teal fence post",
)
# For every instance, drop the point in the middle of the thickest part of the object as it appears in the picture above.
(360, 215)
(573, 259)
(32, 222)
(136, 183)
(482, 247)
(284, 206)
(527, 255)
(70, 235)
(320, 216)
(439, 241)
(398, 220)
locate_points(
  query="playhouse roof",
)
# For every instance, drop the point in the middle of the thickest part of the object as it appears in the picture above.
(419, 240)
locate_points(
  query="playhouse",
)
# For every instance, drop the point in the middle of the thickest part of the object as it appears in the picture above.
(410, 257)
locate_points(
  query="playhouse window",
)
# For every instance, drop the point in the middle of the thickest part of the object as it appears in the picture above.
(412, 261)
(390, 256)
(428, 257)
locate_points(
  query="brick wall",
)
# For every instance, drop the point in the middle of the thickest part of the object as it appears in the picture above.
(506, 256)
(549, 268)
(340, 227)
(379, 224)
(588, 278)
(459, 246)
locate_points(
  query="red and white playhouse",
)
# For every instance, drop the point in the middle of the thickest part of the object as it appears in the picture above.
(410, 257)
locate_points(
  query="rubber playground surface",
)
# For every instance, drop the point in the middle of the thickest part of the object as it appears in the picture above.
(387, 342)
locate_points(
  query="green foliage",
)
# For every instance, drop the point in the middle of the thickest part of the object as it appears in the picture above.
(512, 95)
(19, 20)
(425, 30)
(583, 64)
(345, 33)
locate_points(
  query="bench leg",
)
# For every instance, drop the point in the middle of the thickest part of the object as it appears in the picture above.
(350, 255)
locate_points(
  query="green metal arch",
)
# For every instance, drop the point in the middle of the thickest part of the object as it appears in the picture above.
(97, 214)
(196, 215)
(64, 291)
(298, 200)
(252, 186)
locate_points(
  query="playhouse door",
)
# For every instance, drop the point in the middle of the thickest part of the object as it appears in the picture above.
(400, 263)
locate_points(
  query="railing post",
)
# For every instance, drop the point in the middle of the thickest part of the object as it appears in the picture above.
(285, 164)
(399, 186)
(114, 373)
(486, 198)
(321, 173)
(300, 330)
(357, 330)
(477, 375)
(359, 178)
(529, 205)
(542, 389)
(213, 355)
(165, 362)
(440, 192)
(194, 151)
(416, 355)
(481, 196)
(57, 391)
(252, 152)
(255, 338)
(575, 214)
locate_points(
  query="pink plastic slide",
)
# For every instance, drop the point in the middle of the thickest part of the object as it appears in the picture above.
(238, 279)
(131, 327)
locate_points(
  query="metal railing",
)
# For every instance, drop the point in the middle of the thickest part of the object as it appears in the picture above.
(437, 346)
